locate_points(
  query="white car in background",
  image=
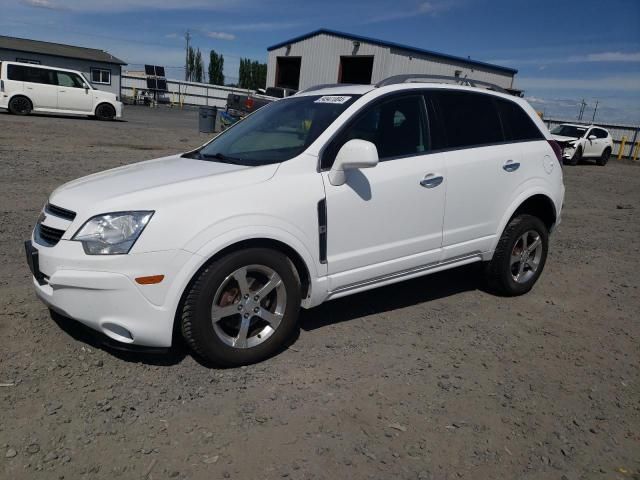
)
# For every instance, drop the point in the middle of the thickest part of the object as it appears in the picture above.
(583, 141)
(330, 192)
(26, 88)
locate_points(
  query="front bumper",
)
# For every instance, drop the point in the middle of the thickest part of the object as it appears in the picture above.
(119, 109)
(101, 292)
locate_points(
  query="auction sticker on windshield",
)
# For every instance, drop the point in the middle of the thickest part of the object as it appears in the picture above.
(335, 99)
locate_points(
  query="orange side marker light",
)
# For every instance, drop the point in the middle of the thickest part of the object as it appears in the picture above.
(151, 280)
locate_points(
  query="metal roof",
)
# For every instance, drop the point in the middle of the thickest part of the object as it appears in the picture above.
(399, 46)
(58, 50)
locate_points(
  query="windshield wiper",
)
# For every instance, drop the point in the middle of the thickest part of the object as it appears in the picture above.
(222, 157)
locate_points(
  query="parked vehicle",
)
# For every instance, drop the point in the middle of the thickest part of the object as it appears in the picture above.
(26, 88)
(314, 197)
(583, 141)
(241, 105)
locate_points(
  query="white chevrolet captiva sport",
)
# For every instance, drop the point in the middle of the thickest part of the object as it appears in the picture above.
(333, 191)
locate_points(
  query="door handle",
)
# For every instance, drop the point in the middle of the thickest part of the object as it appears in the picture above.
(432, 180)
(510, 166)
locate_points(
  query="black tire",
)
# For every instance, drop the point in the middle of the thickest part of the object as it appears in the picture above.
(577, 156)
(104, 111)
(20, 105)
(499, 273)
(197, 324)
(604, 158)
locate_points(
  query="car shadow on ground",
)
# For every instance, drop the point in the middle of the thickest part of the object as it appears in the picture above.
(64, 117)
(392, 297)
(148, 356)
(380, 300)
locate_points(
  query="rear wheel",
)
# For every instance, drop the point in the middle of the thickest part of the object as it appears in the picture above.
(519, 257)
(242, 308)
(604, 158)
(105, 111)
(20, 105)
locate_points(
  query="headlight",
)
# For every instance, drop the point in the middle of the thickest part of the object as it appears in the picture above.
(112, 233)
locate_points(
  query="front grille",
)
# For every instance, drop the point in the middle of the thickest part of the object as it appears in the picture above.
(60, 212)
(48, 236)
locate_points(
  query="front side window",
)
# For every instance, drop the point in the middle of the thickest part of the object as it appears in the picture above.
(276, 132)
(397, 127)
(599, 133)
(100, 75)
(468, 119)
(72, 80)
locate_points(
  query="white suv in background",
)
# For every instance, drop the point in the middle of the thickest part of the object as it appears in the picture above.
(26, 88)
(583, 141)
(324, 194)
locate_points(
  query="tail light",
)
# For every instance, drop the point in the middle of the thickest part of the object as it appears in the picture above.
(557, 149)
(1, 85)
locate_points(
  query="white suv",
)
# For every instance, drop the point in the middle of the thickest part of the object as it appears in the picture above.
(26, 88)
(324, 194)
(583, 141)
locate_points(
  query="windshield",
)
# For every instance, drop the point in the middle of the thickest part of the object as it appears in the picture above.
(569, 131)
(277, 132)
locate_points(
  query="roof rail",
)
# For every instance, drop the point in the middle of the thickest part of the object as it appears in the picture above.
(324, 85)
(422, 77)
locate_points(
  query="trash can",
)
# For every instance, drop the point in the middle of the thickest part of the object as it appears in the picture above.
(207, 119)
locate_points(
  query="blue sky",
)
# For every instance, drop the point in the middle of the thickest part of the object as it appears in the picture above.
(564, 50)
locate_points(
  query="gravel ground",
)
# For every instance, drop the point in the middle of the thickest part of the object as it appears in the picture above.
(430, 379)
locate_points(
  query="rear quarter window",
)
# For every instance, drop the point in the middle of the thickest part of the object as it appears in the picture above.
(516, 123)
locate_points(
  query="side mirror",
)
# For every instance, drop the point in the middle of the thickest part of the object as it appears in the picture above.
(353, 154)
(592, 137)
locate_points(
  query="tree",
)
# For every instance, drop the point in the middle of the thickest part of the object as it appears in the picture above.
(252, 74)
(195, 65)
(216, 68)
(191, 57)
(198, 71)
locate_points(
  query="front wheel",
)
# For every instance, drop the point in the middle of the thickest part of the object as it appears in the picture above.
(105, 111)
(519, 257)
(243, 307)
(577, 156)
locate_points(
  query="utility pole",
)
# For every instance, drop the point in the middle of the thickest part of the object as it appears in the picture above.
(583, 104)
(594, 112)
(187, 37)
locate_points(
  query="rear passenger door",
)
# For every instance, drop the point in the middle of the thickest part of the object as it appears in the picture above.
(482, 168)
(39, 85)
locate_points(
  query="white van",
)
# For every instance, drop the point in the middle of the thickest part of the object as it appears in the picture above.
(28, 88)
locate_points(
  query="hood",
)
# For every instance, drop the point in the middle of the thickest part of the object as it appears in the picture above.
(101, 94)
(561, 138)
(147, 185)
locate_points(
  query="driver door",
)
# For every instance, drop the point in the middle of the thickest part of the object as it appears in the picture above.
(71, 93)
(387, 219)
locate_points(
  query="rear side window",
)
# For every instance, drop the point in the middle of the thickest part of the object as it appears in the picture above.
(396, 126)
(23, 73)
(468, 119)
(517, 125)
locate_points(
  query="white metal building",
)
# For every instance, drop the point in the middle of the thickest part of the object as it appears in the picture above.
(327, 56)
